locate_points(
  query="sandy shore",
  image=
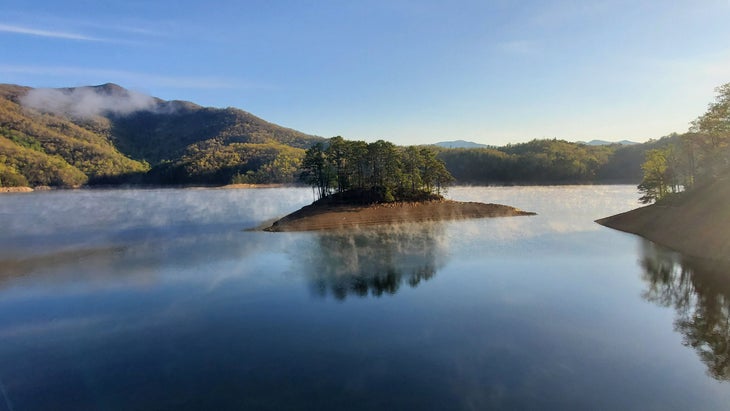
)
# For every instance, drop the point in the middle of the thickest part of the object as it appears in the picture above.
(698, 226)
(15, 189)
(331, 217)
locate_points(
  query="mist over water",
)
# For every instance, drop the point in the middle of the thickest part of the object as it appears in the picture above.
(70, 220)
(159, 299)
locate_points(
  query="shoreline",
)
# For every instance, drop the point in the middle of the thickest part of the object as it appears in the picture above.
(16, 190)
(318, 217)
(254, 186)
(697, 226)
(671, 227)
(143, 187)
(4, 190)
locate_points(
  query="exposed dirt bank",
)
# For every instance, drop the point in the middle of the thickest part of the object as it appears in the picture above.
(15, 189)
(329, 217)
(697, 226)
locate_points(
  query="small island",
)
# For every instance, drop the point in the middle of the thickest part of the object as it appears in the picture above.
(360, 184)
(332, 216)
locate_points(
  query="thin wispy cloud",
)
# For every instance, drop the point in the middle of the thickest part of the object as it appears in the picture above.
(29, 31)
(141, 28)
(80, 29)
(78, 36)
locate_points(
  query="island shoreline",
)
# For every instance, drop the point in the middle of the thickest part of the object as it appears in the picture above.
(323, 217)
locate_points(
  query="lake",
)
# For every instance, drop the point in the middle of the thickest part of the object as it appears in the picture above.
(159, 299)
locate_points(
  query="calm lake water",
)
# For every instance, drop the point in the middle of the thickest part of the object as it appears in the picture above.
(157, 299)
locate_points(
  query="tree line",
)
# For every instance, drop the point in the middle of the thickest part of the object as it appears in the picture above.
(374, 172)
(695, 158)
(549, 161)
(217, 147)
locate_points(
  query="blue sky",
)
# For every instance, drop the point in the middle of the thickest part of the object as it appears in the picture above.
(407, 71)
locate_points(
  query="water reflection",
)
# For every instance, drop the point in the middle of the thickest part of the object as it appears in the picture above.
(375, 261)
(144, 258)
(699, 291)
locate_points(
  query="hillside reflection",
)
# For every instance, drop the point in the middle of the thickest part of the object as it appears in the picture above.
(377, 261)
(699, 291)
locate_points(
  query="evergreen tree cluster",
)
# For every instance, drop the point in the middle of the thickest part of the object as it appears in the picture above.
(377, 172)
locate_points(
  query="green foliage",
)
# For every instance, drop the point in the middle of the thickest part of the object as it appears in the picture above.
(179, 143)
(36, 169)
(182, 143)
(9, 177)
(212, 163)
(654, 186)
(65, 153)
(377, 172)
(169, 134)
(623, 164)
(249, 177)
(21, 139)
(317, 170)
(709, 137)
(698, 157)
(543, 162)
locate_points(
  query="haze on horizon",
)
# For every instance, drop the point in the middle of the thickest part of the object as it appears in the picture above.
(407, 71)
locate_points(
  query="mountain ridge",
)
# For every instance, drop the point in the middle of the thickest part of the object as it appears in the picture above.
(106, 134)
(607, 143)
(460, 144)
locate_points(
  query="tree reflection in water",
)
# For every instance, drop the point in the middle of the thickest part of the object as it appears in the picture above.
(376, 260)
(699, 291)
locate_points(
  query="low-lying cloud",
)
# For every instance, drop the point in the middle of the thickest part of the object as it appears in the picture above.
(85, 102)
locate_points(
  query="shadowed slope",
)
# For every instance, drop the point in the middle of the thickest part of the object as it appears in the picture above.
(697, 225)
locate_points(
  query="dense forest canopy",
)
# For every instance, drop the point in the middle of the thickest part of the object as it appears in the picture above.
(132, 139)
(547, 161)
(374, 172)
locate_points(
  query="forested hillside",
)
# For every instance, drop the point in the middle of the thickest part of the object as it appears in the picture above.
(109, 135)
(549, 162)
(45, 149)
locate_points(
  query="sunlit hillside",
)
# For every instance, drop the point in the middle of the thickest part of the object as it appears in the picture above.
(107, 134)
(110, 135)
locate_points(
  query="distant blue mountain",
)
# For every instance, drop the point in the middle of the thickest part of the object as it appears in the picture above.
(460, 144)
(471, 144)
(607, 143)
